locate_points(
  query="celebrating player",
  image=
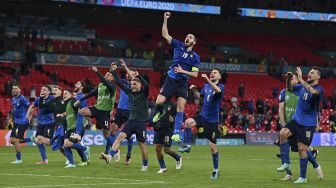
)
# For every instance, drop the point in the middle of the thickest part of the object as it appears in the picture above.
(105, 102)
(20, 106)
(185, 64)
(287, 106)
(163, 130)
(74, 120)
(138, 117)
(122, 112)
(213, 93)
(304, 121)
(46, 122)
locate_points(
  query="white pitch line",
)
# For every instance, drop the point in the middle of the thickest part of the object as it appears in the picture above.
(84, 177)
(89, 184)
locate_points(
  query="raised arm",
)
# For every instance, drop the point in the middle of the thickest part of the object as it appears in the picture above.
(124, 66)
(89, 95)
(109, 85)
(145, 84)
(305, 84)
(120, 84)
(194, 90)
(213, 85)
(165, 33)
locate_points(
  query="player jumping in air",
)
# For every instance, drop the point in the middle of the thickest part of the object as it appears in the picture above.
(185, 65)
(304, 121)
(213, 93)
(106, 92)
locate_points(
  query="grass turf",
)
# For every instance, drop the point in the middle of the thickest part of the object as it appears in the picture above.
(240, 166)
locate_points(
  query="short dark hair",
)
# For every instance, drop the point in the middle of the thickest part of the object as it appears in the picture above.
(84, 85)
(136, 80)
(68, 90)
(218, 71)
(319, 70)
(48, 87)
(17, 85)
(58, 87)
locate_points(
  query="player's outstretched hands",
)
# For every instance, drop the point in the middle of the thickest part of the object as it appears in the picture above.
(122, 63)
(114, 66)
(94, 69)
(289, 75)
(166, 15)
(136, 73)
(178, 69)
(76, 104)
(205, 76)
(299, 72)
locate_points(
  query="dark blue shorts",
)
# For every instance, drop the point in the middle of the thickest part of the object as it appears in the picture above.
(102, 117)
(172, 87)
(163, 136)
(210, 129)
(121, 117)
(303, 134)
(135, 127)
(18, 130)
(46, 131)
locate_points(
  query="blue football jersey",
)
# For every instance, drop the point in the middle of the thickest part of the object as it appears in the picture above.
(308, 105)
(189, 61)
(45, 115)
(211, 103)
(123, 97)
(20, 107)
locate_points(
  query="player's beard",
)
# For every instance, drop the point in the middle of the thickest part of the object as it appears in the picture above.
(310, 81)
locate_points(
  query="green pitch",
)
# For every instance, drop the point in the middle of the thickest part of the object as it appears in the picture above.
(243, 166)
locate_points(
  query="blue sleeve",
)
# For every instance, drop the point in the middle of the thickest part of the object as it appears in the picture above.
(176, 43)
(25, 102)
(282, 96)
(36, 102)
(297, 87)
(321, 91)
(197, 61)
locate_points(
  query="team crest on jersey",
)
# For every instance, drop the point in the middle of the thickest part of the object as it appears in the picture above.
(191, 55)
